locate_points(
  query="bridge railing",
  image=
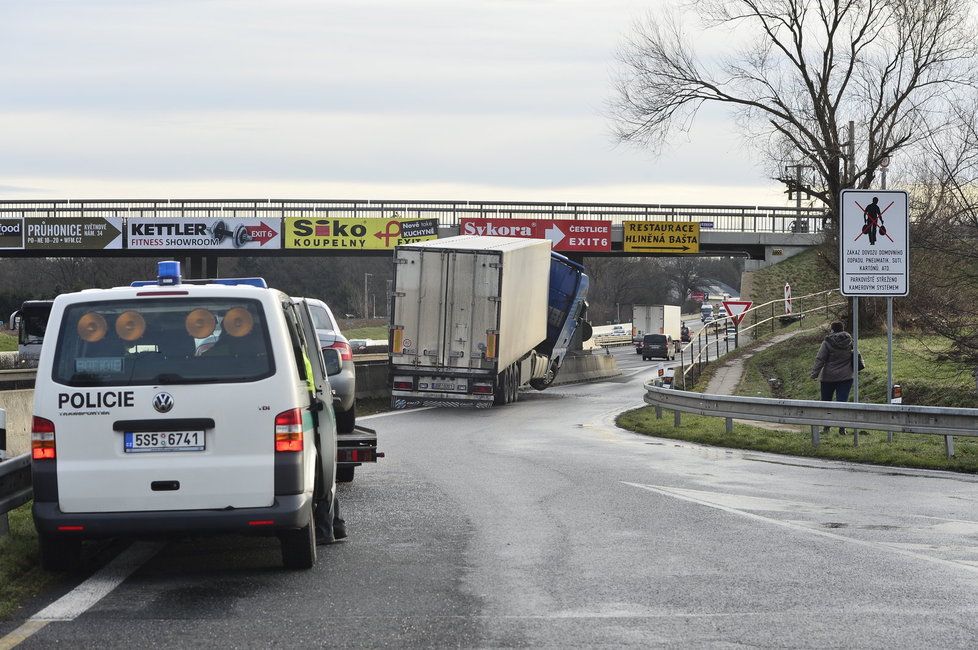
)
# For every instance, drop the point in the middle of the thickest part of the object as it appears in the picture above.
(725, 218)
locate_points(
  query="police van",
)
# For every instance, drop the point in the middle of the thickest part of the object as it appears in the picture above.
(170, 408)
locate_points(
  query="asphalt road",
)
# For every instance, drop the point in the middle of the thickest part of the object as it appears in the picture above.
(542, 524)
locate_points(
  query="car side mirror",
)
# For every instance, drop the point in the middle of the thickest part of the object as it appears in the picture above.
(334, 364)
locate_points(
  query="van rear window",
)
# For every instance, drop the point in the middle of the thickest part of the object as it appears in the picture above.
(163, 341)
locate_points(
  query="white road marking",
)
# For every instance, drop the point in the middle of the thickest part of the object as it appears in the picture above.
(676, 493)
(398, 412)
(83, 597)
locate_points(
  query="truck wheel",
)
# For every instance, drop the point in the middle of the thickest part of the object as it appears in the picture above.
(516, 384)
(344, 473)
(299, 546)
(59, 553)
(346, 421)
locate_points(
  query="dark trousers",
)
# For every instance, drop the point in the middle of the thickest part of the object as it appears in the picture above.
(837, 390)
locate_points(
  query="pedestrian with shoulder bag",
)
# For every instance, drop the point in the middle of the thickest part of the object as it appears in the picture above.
(833, 366)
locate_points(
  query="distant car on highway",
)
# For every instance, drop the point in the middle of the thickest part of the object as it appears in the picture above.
(359, 345)
(657, 346)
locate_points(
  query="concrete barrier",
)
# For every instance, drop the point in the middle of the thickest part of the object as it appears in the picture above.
(19, 405)
(372, 380)
(584, 366)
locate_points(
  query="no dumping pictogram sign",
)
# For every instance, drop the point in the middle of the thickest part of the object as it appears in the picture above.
(874, 246)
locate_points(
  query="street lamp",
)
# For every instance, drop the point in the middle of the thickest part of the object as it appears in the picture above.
(366, 311)
(884, 163)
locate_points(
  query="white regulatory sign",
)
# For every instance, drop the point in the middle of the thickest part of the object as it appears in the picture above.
(874, 243)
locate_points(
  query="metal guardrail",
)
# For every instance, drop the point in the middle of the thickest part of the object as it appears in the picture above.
(15, 486)
(947, 422)
(729, 218)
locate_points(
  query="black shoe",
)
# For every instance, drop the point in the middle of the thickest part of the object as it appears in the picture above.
(339, 529)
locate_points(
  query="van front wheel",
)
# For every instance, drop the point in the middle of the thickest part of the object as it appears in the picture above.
(59, 553)
(299, 546)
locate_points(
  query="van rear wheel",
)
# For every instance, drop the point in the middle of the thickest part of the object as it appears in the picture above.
(299, 546)
(346, 421)
(59, 553)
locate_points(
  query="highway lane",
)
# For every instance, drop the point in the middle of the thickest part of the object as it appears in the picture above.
(542, 524)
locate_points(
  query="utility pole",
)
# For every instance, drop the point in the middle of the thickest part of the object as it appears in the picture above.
(366, 297)
(798, 167)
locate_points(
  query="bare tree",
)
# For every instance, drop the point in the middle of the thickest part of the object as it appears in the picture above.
(804, 70)
(944, 263)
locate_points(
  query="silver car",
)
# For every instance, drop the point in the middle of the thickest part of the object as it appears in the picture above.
(339, 360)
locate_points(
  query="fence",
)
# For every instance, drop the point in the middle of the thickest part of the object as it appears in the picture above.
(448, 213)
(947, 422)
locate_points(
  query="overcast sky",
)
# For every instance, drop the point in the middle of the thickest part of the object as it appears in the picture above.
(394, 99)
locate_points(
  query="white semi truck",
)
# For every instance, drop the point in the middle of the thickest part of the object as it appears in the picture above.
(655, 319)
(475, 318)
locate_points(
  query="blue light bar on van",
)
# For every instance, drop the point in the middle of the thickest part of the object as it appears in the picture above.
(168, 273)
(228, 282)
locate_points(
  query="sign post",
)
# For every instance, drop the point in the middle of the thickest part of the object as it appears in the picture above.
(737, 309)
(787, 299)
(874, 253)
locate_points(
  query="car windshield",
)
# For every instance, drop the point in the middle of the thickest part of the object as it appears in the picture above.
(163, 341)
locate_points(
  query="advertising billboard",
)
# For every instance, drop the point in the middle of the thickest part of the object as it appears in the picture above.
(356, 234)
(11, 234)
(566, 235)
(237, 233)
(73, 233)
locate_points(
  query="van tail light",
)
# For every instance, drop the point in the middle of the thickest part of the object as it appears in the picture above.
(42, 439)
(346, 352)
(288, 431)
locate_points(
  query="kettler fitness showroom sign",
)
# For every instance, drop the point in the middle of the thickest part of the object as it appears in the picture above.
(874, 243)
(248, 233)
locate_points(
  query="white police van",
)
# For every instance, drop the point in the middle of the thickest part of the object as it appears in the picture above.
(172, 408)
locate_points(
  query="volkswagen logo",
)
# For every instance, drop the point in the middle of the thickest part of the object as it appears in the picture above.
(163, 402)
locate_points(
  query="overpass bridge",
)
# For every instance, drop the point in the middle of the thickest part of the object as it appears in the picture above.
(763, 233)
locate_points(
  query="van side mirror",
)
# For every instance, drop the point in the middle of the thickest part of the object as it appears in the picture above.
(334, 364)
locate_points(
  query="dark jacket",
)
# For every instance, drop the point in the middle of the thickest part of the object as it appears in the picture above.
(834, 358)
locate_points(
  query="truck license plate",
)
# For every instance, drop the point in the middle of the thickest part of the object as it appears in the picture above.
(442, 385)
(137, 442)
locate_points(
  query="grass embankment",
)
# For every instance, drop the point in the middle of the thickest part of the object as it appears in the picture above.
(20, 574)
(372, 332)
(805, 272)
(924, 381)
(8, 343)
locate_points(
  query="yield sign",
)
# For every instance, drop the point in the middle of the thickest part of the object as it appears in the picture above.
(737, 309)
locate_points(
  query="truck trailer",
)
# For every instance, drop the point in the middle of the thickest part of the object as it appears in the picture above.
(655, 319)
(475, 318)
